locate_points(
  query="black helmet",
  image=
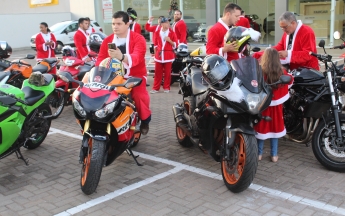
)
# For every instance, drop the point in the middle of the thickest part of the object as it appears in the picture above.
(182, 50)
(95, 41)
(5, 50)
(132, 13)
(217, 72)
(235, 34)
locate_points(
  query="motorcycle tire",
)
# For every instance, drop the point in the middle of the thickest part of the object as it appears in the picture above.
(92, 166)
(56, 101)
(324, 153)
(43, 110)
(238, 172)
(182, 138)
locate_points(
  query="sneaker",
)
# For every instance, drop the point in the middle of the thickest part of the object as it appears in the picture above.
(144, 128)
(166, 91)
(153, 91)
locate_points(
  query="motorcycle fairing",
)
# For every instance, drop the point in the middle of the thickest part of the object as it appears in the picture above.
(197, 85)
(249, 72)
(93, 104)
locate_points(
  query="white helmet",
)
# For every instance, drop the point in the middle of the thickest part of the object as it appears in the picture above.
(182, 48)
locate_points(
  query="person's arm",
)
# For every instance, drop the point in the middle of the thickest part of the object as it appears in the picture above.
(150, 28)
(182, 28)
(213, 45)
(137, 28)
(138, 54)
(80, 44)
(40, 44)
(174, 39)
(103, 51)
(54, 43)
(307, 43)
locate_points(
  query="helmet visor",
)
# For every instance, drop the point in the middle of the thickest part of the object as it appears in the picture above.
(219, 71)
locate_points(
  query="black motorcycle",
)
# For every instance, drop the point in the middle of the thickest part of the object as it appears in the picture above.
(218, 115)
(313, 112)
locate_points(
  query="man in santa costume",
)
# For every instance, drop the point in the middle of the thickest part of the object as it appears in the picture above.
(180, 28)
(81, 40)
(243, 21)
(165, 43)
(296, 43)
(215, 43)
(45, 43)
(153, 28)
(130, 49)
(134, 26)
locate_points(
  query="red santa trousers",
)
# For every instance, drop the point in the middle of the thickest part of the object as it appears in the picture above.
(142, 100)
(160, 69)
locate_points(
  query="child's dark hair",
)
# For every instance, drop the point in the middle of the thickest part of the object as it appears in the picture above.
(46, 25)
(271, 67)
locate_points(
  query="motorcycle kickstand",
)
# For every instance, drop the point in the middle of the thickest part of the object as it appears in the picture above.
(130, 153)
(20, 156)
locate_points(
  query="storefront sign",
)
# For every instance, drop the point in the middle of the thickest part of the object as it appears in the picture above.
(42, 3)
(107, 6)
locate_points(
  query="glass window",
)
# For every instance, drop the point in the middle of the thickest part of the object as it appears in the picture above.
(72, 28)
(194, 15)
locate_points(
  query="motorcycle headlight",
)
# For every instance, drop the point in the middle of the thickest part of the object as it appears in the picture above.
(254, 101)
(78, 108)
(104, 112)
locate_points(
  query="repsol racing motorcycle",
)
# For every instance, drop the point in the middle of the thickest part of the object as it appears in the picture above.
(218, 115)
(313, 112)
(108, 119)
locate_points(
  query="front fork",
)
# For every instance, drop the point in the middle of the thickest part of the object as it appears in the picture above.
(335, 107)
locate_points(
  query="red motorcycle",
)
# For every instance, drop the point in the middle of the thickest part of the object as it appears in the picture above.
(77, 68)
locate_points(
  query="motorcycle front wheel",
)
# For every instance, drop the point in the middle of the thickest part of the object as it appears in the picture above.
(239, 170)
(92, 166)
(326, 150)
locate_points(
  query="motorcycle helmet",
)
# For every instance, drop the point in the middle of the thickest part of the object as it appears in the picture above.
(5, 50)
(217, 72)
(132, 13)
(238, 34)
(95, 41)
(182, 50)
(68, 51)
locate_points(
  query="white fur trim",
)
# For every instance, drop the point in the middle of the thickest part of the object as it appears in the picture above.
(85, 57)
(223, 24)
(53, 46)
(234, 93)
(45, 47)
(270, 135)
(164, 61)
(280, 100)
(299, 25)
(149, 22)
(87, 38)
(288, 58)
(220, 51)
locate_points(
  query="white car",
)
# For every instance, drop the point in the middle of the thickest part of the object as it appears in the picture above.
(64, 33)
(201, 33)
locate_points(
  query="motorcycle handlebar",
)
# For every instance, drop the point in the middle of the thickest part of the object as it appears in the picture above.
(342, 46)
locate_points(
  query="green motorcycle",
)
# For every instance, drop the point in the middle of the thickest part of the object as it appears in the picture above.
(25, 117)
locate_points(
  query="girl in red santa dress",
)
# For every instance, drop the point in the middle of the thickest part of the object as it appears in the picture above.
(272, 70)
(45, 43)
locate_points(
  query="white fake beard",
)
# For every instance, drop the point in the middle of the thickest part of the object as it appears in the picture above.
(234, 93)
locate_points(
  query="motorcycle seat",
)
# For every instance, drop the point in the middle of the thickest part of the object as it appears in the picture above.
(41, 68)
(50, 60)
(197, 85)
(32, 95)
(48, 78)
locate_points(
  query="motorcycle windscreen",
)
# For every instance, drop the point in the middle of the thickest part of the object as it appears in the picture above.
(102, 75)
(249, 72)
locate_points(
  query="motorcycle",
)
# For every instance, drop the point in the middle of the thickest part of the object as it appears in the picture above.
(108, 119)
(336, 36)
(25, 117)
(313, 112)
(221, 121)
(77, 68)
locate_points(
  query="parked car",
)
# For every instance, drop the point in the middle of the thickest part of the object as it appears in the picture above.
(64, 33)
(192, 25)
(201, 33)
(269, 23)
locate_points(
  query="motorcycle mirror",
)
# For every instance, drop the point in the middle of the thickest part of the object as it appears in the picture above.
(285, 79)
(65, 76)
(256, 49)
(336, 35)
(322, 43)
(132, 82)
(6, 100)
(30, 56)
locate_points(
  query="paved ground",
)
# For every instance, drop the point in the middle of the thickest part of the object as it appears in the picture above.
(173, 181)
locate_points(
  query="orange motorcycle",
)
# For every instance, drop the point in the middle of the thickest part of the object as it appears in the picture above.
(107, 116)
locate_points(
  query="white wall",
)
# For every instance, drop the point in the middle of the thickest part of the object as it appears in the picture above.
(19, 22)
(83, 8)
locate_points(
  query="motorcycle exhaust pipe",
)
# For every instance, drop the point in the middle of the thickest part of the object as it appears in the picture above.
(178, 114)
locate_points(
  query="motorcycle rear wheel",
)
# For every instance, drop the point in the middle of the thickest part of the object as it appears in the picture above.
(43, 110)
(238, 172)
(92, 166)
(322, 144)
(181, 135)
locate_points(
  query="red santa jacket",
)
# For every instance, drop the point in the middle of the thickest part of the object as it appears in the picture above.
(44, 51)
(215, 41)
(80, 41)
(135, 52)
(243, 21)
(165, 51)
(302, 43)
(152, 28)
(136, 27)
(180, 29)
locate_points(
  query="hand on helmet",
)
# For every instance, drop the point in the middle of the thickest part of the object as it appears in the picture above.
(230, 47)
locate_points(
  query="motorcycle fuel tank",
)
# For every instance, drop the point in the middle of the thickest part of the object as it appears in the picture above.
(308, 76)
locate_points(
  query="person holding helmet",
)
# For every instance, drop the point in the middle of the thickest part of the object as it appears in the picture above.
(134, 26)
(216, 43)
(165, 43)
(130, 50)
